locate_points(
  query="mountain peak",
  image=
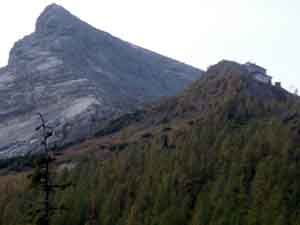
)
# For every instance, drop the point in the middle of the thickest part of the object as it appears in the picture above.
(54, 7)
(70, 71)
(54, 18)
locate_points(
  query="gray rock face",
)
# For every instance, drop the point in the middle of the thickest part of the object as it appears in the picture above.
(77, 76)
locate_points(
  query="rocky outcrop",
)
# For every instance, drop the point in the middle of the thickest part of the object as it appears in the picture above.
(77, 76)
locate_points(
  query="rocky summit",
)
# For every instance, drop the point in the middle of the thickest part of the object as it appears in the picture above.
(77, 77)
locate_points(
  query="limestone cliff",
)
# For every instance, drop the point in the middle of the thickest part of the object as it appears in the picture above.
(77, 76)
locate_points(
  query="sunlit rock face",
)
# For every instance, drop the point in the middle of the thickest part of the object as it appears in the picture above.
(77, 76)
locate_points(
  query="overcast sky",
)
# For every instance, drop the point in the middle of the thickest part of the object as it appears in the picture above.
(198, 32)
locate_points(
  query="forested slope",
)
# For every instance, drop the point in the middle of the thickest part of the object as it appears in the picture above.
(226, 151)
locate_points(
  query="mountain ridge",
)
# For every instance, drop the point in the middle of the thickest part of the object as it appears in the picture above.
(226, 94)
(70, 71)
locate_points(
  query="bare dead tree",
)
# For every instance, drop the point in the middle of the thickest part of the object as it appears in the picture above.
(42, 179)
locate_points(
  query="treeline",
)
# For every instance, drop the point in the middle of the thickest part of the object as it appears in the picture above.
(232, 174)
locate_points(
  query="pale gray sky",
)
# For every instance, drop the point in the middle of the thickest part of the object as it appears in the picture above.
(198, 32)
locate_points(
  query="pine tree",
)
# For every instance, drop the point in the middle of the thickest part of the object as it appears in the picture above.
(296, 92)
